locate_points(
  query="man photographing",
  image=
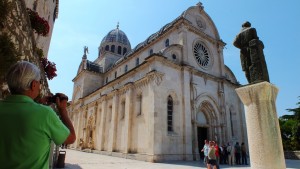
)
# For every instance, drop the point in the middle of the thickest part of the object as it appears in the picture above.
(26, 127)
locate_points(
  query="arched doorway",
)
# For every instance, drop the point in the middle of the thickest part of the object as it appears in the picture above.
(202, 131)
(208, 127)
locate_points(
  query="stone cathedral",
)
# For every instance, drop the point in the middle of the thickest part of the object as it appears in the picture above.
(161, 99)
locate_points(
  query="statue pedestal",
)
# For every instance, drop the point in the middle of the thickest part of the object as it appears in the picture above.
(264, 138)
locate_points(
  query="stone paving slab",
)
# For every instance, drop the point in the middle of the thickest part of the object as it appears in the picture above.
(83, 160)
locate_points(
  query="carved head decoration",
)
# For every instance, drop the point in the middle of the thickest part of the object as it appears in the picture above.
(246, 24)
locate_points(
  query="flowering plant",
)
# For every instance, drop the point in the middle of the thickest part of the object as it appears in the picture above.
(39, 52)
(40, 25)
(49, 68)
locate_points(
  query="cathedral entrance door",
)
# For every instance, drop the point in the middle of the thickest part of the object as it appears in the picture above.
(201, 135)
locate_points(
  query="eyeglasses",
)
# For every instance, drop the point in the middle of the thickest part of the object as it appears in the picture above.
(40, 81)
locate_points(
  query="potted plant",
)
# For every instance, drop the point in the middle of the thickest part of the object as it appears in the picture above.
(38, 24)
(49, 68)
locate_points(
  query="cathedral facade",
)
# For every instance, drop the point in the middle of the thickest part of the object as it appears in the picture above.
(161, 99)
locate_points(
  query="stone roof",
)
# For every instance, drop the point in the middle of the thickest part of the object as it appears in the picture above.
(151, 38)
(155, 35)
(94, 67)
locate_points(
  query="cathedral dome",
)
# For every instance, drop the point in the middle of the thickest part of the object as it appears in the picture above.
(116, 35)
(115, 41)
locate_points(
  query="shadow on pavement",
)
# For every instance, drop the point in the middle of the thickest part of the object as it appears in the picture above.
(200, 164)
(185, 163)
(291, 164)
(73, 166)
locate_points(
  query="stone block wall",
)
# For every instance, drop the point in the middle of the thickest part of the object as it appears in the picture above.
(17, 41)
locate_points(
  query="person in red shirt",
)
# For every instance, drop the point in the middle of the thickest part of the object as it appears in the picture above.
(217, 152)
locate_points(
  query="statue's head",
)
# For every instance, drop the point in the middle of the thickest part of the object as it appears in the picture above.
(246, 24)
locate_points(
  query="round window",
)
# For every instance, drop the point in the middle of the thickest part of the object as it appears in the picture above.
(201, 55)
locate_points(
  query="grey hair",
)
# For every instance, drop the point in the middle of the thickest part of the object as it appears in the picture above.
(20, 76)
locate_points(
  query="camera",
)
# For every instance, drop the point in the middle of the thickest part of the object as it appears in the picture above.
(52, 99)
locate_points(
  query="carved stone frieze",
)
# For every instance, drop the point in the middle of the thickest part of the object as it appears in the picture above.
(155, 76)
(125, 88)
(201, 24)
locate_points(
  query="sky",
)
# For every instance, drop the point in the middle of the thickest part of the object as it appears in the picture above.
(85, 23)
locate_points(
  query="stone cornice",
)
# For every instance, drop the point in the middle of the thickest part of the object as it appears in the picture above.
(125, 88)
(215, 78)
(110, 95)
(92, 104)
(102, 98)
(83, 108)
(83, 72)
(175, 65)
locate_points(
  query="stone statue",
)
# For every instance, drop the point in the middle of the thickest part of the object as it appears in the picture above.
(252, 56)
(85, 50)
(81, 142)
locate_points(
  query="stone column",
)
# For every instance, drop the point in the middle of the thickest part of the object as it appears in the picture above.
(101, 133)
(265, 144)
(83, 126)
(188, 146)
(98, 119)
(94, 139)
(128, 120)
(114, 121)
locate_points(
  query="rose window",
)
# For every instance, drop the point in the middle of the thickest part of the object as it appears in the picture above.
(201, 55)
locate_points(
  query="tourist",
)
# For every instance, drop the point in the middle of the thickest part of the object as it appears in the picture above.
(224, 155)
(217, 152)
(237, 149)
(244, 154)
(211, 156)
(230, 150)
(205, 150)
(221, 155)
(26, 127)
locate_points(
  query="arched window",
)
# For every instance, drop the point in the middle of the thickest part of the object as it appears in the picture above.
(139, 105)
(174, 56)
(106, 80)
(170, 114)
(115, 74)
(137, 61)
(122, 110)
(119, 50)
(167, 43)
(112, 48)
(151, 52)
(124, 51)
(54, 13)
(110, 113)
(126, 68)
(107, 48)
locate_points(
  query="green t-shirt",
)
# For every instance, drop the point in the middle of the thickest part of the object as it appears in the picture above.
(26, 131)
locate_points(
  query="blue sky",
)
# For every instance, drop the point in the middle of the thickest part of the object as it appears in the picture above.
(84, 23)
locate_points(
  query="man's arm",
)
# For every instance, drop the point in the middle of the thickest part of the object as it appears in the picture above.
(61, 105)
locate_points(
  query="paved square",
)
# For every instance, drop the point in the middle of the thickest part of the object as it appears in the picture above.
(82, 160)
